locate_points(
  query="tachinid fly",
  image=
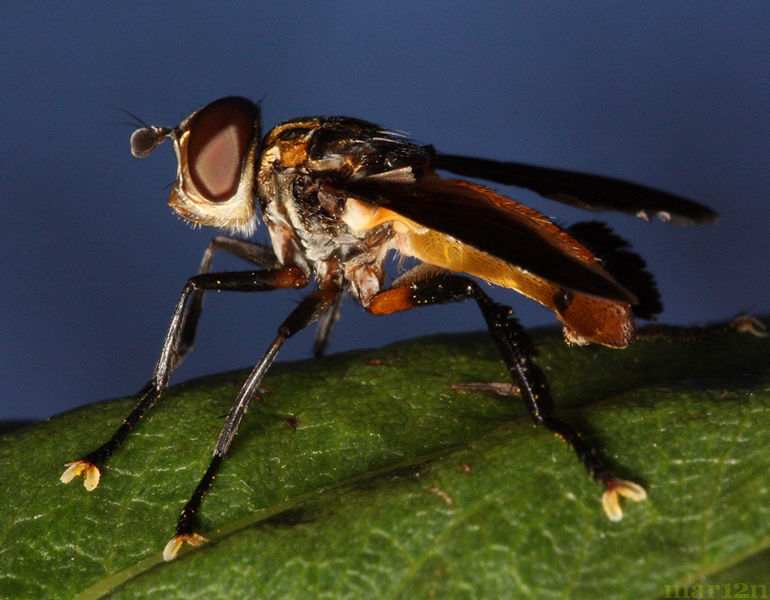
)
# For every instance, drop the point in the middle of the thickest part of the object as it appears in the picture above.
(337, 195)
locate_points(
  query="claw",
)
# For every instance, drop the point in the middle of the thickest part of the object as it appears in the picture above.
(91, 472)
(176, 543)
(615, 489)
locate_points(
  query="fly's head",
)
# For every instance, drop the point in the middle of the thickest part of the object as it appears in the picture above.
(216, 148)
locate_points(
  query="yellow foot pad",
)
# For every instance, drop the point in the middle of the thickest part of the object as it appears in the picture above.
(176, 543)
(90, 473)
(615, 489)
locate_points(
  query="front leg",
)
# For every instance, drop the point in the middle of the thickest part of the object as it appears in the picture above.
(240, 281)
(517, 351)
(259, 255)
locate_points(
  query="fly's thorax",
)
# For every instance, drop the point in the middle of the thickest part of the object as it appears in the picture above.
(306, 222)
(305, 218)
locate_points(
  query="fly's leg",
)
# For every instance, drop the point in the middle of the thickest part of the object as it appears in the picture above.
(307, 312)
(261, 256)
(516, 351)
(241, 281)
(264, 257)
(325, 326)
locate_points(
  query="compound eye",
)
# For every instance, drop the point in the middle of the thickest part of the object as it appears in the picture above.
(218, 142)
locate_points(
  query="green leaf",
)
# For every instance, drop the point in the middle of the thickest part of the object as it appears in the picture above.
(366, 475)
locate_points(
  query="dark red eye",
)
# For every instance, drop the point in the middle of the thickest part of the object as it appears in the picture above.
(219, 138)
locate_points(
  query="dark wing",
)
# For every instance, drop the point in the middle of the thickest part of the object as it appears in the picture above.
(496, 225)
(592, 192)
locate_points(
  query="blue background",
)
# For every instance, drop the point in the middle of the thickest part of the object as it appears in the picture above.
(672, 94)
